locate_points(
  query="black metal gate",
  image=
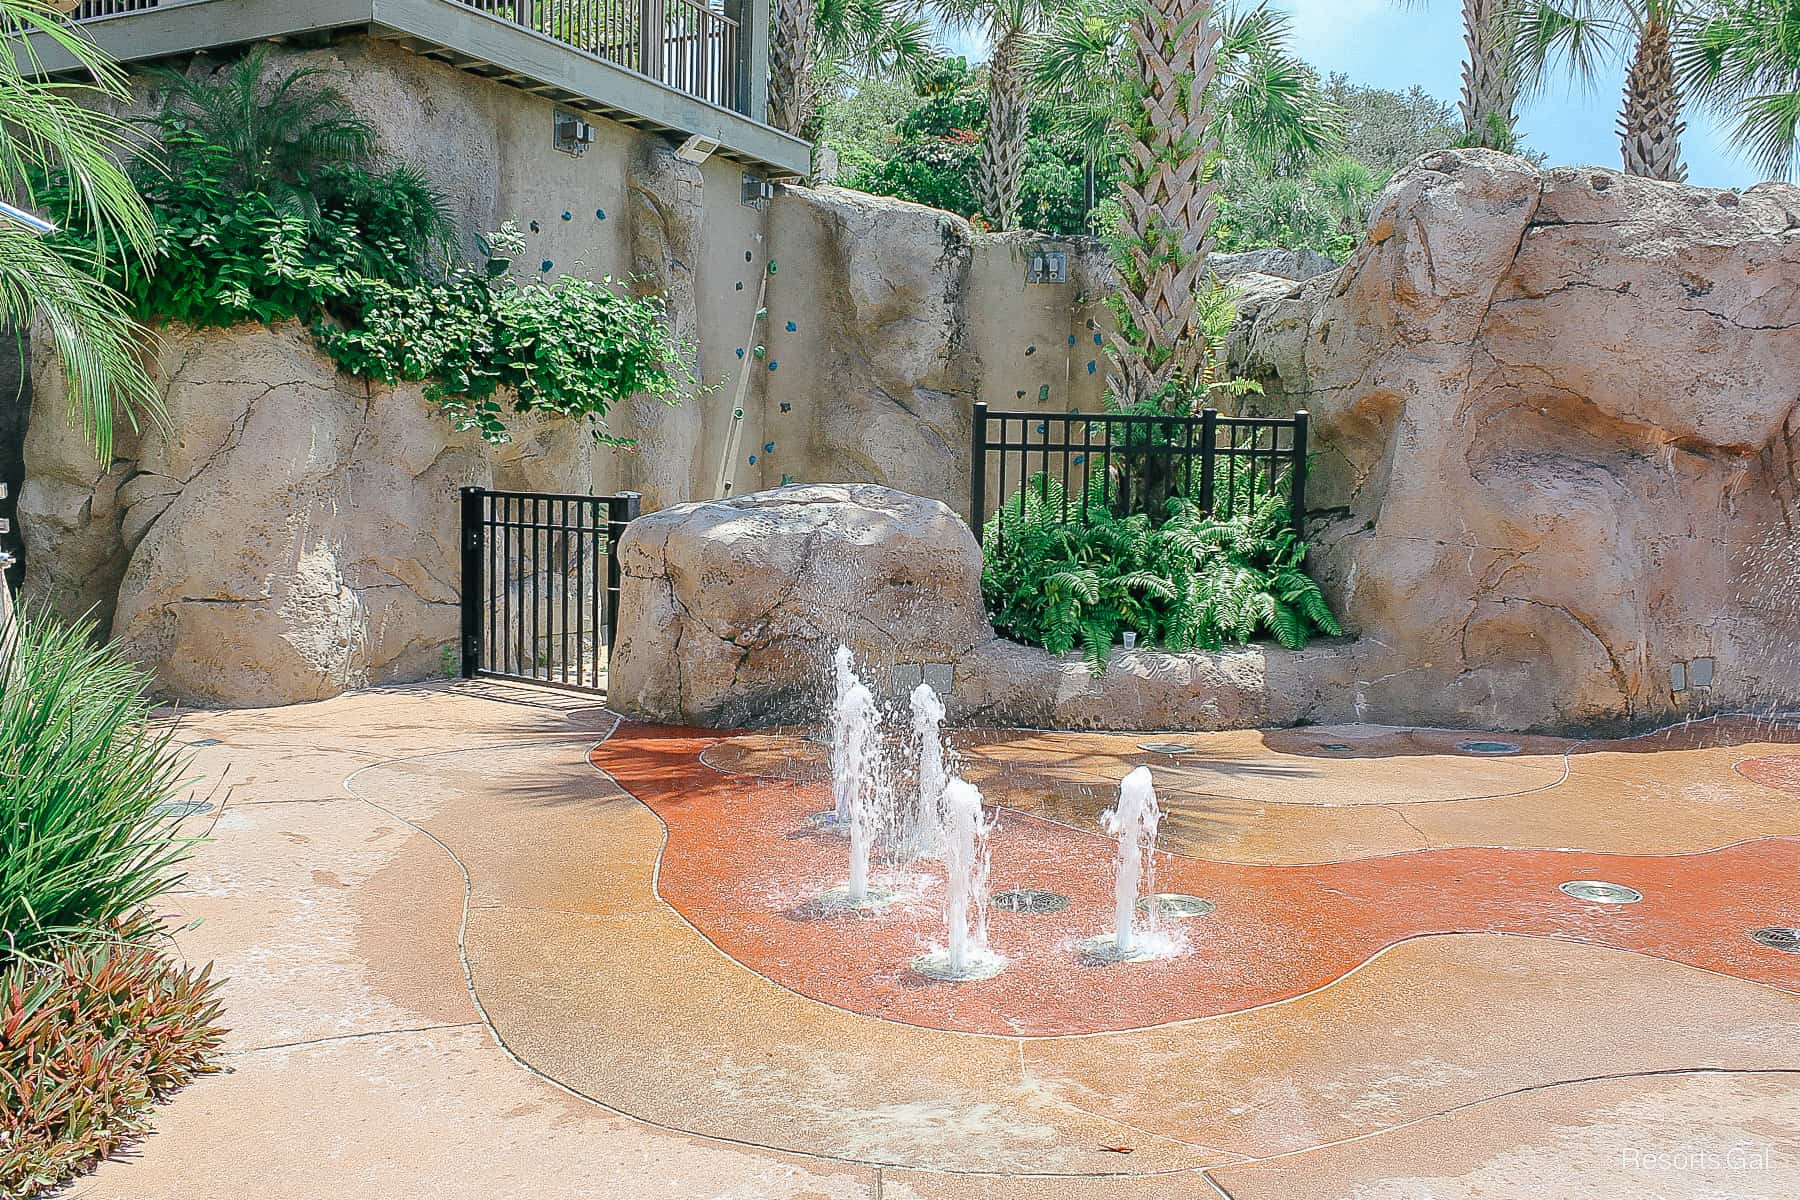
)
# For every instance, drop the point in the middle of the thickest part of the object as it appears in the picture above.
(540, 584)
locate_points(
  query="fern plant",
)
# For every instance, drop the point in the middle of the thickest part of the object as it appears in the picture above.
(1061, 573)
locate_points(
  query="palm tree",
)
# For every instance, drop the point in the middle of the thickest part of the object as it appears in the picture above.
(1743, 61)
(885, 38)
(1107, 64)
(1013, 28)
(1168, 192)
(1490, 72)
(1584, 33)
(51, 141)
(1350, 188)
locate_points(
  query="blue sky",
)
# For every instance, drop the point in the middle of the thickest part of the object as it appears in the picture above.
(1380, 42)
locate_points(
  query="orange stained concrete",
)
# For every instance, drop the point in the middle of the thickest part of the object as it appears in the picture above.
(618, 998)
(743, 864)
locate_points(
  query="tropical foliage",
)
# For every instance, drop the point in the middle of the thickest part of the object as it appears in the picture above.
(83, 777)
(1743, 60)
(267, 206)
(1185, 581)
(89, 1039)
(62, 129)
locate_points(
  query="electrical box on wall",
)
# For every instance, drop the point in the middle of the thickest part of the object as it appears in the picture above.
(1048, 266)
(757, 192)
(571, 134)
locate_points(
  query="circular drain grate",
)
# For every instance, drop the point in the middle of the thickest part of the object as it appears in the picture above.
(176, 809)
(1166, 747)
(1778, 937)
(1174, 904)
(1029, 900)
(1599, 892)
(1488, 747)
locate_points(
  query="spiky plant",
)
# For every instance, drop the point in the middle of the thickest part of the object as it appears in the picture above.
(814, 43)
(280, 136)
(59, 131)
(1743, 62)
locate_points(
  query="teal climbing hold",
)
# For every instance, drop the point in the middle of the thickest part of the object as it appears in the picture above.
(769, 448)
(753, 460)
(740, 352)
(1091, 367)
(599, 214)
(568, 216)
(793, 328)
(1099, 340)
(1071, 339)
(545, 265)
(771, 266)
(1044, 392)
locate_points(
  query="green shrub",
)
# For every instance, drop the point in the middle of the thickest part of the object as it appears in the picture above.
(88, 1040)
(82, 773)
(1188, 582)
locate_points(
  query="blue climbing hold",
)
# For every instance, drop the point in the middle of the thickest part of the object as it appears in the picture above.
(793, 328)
(773, 364)
(534, 227)
(740, 352)
(1071, 339)
(1091, 367)
(753, 460)
(1099, 340)
(599, 214)
(568, 216)
(1079, 459)
(545, 265)
(769, 448)
(1043, 427)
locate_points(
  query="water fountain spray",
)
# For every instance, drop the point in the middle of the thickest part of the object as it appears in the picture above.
(1134, 822)
(857, 785)
(966, 955)
(927, 833)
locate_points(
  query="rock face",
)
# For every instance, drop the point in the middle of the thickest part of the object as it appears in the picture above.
(1554, 416)
(291, 533)
(731, 613)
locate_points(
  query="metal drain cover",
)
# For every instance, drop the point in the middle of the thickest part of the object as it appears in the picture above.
(1166, 747)
(1600, 892)
(176, 809)
(1029, 900)
(1334, 746)
(1479, 747)
(207, 742)
(1778, 937)
(1174, 904)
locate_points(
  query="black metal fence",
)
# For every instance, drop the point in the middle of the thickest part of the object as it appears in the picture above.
(1128, 464)
(540, 584)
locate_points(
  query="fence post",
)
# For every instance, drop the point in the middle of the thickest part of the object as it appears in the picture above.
(1209, 446)
(1297, 505)
(978, 472)
(473, 584)
(650, 38)
(621, 510)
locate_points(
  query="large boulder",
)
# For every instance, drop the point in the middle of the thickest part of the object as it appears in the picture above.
(731, 611)
(1554, 417)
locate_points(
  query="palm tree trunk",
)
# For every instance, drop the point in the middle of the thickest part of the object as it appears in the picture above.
(1169, 196)
(1650, 124)
(1002, 167)
(1490, 84)
(790, 64)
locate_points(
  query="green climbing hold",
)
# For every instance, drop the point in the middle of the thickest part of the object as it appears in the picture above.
(771, 266)
(1044, 392)
(761, 352)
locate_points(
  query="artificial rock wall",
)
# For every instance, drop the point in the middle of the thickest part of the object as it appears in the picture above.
(1555, 422)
